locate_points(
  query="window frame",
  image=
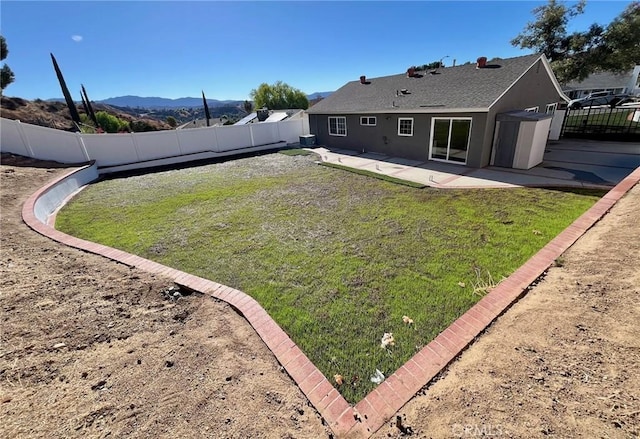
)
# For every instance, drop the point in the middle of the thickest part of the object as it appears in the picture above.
(337, 133)
(403, 119)
(367, 120)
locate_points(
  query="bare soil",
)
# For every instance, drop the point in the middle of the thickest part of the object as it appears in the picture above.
(91, 348)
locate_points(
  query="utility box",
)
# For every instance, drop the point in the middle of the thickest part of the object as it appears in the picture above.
(520, 139)
(308, 140)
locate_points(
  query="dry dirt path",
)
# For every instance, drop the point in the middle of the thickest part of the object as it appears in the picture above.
(562, 362)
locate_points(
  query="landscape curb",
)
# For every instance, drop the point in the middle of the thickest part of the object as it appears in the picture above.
(379, 406)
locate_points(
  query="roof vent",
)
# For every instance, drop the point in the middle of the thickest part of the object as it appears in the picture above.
(363, 80)
(411, 72)
(263, 114)
(482, 62)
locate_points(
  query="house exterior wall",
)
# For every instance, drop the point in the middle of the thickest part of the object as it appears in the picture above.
(534, 89)
(383, 138)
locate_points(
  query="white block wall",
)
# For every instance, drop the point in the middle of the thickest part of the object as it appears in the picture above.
(125, 149)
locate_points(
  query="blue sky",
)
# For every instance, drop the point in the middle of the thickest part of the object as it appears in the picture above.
(177, 49)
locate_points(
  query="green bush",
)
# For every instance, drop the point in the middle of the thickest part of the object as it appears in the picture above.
(110, 123)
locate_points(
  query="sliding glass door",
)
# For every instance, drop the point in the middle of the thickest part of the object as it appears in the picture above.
(450, 139)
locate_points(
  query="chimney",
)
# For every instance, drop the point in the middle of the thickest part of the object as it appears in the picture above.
(363, 79)
(411, 72)
(454, 62)
(482, 62)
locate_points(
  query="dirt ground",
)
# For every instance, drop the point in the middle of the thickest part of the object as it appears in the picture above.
(91, 348)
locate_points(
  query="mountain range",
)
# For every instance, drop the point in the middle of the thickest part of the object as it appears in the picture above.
(187, 102)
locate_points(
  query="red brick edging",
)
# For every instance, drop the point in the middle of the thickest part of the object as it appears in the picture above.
(372, 412)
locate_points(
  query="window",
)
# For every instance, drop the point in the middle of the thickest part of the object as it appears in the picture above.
(450, 139)
(551, 108)
(368, 121)
(338, 126)
(533, 109)
(405, 126)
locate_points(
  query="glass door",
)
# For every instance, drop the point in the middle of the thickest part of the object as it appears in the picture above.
(450, 139)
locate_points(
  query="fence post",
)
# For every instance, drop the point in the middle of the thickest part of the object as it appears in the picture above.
(215, 135)
(178, 140)
(25, 139)
(278, 137)
(253, 142)
(82, 146)
(135, 145)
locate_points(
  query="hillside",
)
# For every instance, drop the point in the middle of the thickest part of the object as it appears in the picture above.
(54, 114)
(157, 102)
(154, 103)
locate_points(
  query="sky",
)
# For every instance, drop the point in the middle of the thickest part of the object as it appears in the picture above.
(226, 49)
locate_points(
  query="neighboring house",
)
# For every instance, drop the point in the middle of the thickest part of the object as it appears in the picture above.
(270, 116)
(448, 114)
(200, 123)
(626, 83)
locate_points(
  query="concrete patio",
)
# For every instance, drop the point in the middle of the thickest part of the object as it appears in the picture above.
(567, 163)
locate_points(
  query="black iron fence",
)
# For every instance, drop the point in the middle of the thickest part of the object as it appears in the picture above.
(603, 123)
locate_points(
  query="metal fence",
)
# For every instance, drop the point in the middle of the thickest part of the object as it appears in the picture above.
(603, 123)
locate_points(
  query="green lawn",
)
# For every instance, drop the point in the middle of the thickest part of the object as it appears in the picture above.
(335, 257)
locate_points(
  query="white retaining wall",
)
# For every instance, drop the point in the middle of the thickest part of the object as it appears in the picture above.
(110, 150)
(56, 195)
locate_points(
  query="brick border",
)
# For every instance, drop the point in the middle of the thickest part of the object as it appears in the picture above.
(378, 407)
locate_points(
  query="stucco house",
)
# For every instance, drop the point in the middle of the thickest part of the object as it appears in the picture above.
(448, 114)
(616, 83)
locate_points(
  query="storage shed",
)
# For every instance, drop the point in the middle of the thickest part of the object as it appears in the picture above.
(520, 139)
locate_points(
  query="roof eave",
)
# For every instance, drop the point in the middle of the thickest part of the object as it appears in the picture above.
(432, 110)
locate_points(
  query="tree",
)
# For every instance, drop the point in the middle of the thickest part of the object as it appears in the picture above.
(65, 91)
(575, 56)
(110, 123)
(6, 75)
(548, 33)
(172, 121)
(620, 50)
(89, 107)
(430, 66)
(248, 106)
(279, 96)
(207, 115)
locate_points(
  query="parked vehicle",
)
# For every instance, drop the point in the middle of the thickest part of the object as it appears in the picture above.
(598, 94)
(608, 100)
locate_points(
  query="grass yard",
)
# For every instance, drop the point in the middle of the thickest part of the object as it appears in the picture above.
(335, 257)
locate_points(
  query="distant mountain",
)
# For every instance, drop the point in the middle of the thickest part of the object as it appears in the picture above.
(156, 102)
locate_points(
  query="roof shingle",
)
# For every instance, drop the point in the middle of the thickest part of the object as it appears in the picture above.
(460, 87)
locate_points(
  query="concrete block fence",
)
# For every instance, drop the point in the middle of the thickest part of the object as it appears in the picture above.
(379, 406)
